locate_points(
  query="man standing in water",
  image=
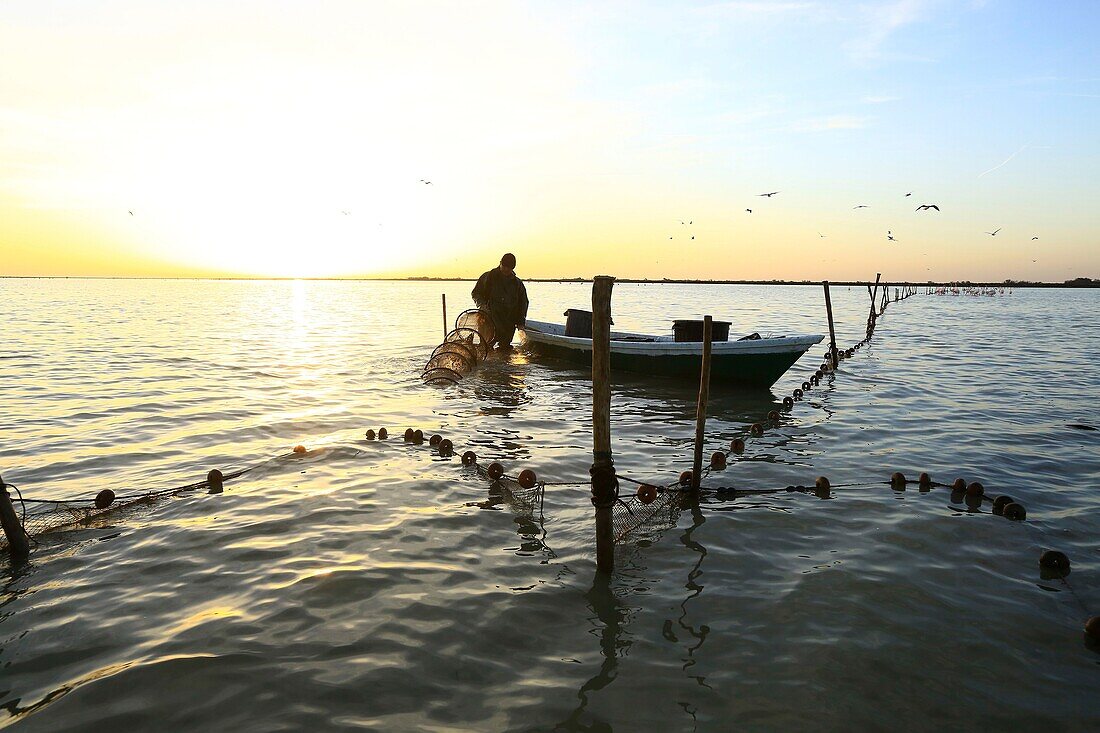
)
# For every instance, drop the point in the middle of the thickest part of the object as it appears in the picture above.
(502, 295)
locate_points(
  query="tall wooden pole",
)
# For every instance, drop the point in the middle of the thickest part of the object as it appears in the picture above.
(874, 303)
(445, 316)
(18, 544)
(603, 467)
(832, 331)
(701, 405)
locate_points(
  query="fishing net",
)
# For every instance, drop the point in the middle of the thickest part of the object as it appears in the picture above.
(633, 520)
(40, 516)
(462, 349)
(524, 502)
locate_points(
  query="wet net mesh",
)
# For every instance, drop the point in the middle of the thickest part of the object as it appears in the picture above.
(633, 519)
(461, 351)
(523, 502)
(40, 516)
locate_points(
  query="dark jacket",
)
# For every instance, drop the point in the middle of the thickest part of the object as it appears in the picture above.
(504, 296)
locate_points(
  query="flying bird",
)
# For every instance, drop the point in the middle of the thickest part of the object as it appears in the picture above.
(749, 210)
(994, 232)
(861, 206)
(1034, 238)
(769, 195)
(129, 212)
(425, 182)
(890, 236)
(909, 194)
(924, 207)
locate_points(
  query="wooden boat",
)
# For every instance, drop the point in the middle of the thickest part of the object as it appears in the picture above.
(756, 362)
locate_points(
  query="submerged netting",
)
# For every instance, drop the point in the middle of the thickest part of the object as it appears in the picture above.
(633, 519)
(40, 516)
(461, 351)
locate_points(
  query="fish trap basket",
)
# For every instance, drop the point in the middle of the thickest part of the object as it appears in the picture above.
(461, 351)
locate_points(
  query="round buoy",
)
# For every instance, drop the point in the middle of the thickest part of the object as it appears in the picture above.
(757, 429)
(469, 458)
(975, 489)
(797, 394)
(819, 373)
(370, 435)
(299, 449)
(1015, 511)
(788, 402)
(1054, 560)
(897, 480)
(1001, 502)
(822, 485)
(815, 380)
(737, 445)
(495, 471)
(959, 485)
(1092, 628)
(718, 459)
(105, 498)
(434, 440)
(685, 478)
(383, 433)
(446, 447)
(418, 436)
(647, 493)
(527, 478)
(773, 416)
(806, 387)
(409, 433)
(925, 481)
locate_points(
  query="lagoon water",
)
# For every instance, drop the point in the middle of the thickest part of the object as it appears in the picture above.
(357, 588)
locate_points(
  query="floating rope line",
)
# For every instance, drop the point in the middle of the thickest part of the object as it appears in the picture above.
(50, 515)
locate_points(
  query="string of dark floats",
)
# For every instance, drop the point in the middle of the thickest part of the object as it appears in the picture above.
(1054, 564)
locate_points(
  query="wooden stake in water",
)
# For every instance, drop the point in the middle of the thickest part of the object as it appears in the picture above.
(18, 544)
(444, 316)
(873, 293)
(832, 332)
(603, 467)
(701, 405)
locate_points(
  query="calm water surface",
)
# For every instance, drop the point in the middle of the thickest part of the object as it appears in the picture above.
(355, 588)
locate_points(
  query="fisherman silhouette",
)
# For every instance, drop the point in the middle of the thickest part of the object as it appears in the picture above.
(503, 296)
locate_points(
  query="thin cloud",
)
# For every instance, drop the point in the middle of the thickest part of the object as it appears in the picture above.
(881, 99)
(832, 122)
(743, 9)
(883, 21)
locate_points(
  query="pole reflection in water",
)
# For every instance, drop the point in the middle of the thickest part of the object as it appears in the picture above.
(699, 635)
(612, 616)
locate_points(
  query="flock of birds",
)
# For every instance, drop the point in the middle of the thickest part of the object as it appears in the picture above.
(889, 234)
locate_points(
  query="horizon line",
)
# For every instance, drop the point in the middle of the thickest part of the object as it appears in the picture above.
(1095, 282)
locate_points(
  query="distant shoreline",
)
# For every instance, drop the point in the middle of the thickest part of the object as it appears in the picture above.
(1077, 283)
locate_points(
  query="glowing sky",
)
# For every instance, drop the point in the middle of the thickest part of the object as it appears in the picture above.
(294, 139)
